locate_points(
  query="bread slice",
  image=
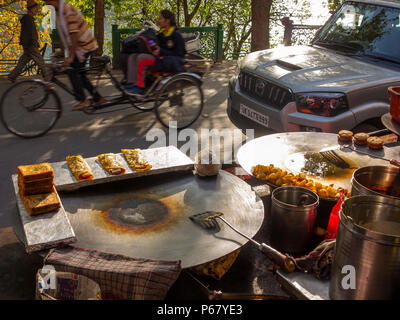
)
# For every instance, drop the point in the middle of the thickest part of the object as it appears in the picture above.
(41, 203)
(35, 172)
(35, 187)
(36, 183)
(36, 190)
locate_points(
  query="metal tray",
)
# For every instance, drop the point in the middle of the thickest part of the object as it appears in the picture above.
(46, 230)
(163, 160)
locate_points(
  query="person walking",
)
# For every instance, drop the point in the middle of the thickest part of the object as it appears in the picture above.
(78, 42)
(29, 41)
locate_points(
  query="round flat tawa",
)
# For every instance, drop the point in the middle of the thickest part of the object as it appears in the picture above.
(149, 217)
(286, 151)
(390, 124)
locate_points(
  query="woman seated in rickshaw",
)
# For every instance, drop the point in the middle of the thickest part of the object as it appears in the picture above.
(167, 56)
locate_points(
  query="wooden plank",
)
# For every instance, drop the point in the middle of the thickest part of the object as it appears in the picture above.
(163, 160)
(46, 230)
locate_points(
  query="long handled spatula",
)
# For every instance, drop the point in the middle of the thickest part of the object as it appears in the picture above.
(207, 220)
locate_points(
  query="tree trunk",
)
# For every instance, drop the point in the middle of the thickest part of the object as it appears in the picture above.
(99, 26)
(189, 16)
(260, 14)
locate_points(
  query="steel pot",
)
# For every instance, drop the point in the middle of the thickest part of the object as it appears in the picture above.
(366, 178)
(367, 253)
(292, 221)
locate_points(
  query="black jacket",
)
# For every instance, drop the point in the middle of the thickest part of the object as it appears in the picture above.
(174, 45)
(29, 36)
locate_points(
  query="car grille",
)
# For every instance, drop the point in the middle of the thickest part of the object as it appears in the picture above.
(264, 91)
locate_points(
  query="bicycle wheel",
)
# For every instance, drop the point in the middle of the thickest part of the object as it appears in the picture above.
(29, 108)
(180, 101)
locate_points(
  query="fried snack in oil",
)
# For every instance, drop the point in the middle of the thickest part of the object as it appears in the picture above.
(282, 178)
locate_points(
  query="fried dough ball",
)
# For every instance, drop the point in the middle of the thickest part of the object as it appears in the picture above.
(283, 178)
(309, 185)
(323, 193)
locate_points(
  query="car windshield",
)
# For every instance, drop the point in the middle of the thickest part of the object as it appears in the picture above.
(369, 30)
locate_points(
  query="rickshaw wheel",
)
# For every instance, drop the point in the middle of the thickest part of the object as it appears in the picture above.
(180, 102)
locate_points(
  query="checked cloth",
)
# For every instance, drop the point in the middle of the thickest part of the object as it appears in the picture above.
(118, 276)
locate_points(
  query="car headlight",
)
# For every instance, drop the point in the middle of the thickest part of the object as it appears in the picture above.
(322, 104)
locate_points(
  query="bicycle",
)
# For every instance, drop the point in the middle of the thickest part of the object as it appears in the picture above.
(174, 97)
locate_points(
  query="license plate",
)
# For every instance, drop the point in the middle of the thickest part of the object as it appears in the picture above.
(254, 115)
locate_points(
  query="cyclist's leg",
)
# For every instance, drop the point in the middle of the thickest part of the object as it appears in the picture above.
(76, 79)
(132, 62)
(38, 58)
(16, 72)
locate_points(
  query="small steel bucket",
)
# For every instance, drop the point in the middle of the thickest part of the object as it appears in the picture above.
(367, 253)
(292, 222)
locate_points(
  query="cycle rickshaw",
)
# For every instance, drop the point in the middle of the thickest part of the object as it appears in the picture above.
(30, 108)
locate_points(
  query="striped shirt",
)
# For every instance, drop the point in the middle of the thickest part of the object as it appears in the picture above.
(77, 24)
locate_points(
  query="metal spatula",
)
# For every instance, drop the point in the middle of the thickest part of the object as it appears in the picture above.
(334, 158)
(207, 220)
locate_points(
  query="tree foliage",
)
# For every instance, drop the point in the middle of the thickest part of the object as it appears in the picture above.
(234, 15)
(11, 12)
(334, 4)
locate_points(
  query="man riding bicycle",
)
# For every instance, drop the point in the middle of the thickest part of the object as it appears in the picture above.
(79, 43)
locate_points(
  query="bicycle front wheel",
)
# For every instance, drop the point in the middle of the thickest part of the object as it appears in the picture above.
(29, 108)
(180, 102)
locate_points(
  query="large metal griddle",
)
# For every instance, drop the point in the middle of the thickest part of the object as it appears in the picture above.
(286, 150)
(148, 217)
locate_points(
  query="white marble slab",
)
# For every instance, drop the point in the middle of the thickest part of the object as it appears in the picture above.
(46, 230)
(163, 160)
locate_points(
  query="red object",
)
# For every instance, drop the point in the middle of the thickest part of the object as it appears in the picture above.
(333, 224)
(395, 103)
(143, 64)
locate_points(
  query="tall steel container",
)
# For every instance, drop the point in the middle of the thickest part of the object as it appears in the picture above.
(292, 220)
(367, 253)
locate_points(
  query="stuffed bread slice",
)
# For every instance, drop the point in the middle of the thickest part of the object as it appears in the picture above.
(110, 163)
(136, 160)
(79, 168)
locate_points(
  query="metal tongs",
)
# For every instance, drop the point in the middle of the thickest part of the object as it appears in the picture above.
(207, 220)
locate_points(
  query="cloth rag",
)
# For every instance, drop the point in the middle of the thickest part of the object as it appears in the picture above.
(119, 277)
(319, 261)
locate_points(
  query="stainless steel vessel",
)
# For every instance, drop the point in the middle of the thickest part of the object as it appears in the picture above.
(366, 179)
(367, 253)
(293, 214)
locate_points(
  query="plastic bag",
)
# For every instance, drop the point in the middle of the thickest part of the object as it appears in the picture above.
(334, 219)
